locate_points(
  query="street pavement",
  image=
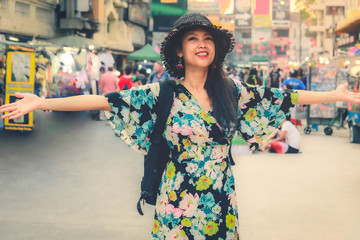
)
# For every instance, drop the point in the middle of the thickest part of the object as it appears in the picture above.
(72, 178)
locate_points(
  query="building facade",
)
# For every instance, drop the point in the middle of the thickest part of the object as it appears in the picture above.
(23, 20)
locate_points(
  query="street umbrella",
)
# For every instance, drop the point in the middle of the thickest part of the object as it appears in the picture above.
(145, 53)
(353, 50)
(75, 41)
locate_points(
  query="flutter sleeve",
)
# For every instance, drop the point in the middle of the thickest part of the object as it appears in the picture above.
(262, 111)
(133, 117)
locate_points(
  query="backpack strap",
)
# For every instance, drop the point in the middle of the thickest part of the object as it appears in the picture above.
(162, 110)
(163, 107)
(236, 97)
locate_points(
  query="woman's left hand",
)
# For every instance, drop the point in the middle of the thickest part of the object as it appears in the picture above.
(343, 94)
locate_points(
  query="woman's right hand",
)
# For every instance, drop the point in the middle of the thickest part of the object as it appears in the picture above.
(28, 103)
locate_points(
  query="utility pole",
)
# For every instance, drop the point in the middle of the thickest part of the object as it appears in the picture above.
(300, 33)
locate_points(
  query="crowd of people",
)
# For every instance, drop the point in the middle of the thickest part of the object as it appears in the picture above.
(288, 139)
(275, 77)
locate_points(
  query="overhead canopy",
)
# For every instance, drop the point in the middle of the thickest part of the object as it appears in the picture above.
(36, 45)
(75, 41)
(350, 24)
(145, 53)
(258, 59)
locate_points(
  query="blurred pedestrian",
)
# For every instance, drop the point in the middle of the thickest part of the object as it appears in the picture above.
(136, 81)
(108, 83)
(159, 74)
(244, 74)
(143, 76)
(302, 77)
(125, 82)
(275, 77)
(294, 81)
(234, 75)
(253, 78)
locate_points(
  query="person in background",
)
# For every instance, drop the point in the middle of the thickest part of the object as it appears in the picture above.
(243, 75)
(125, 82)
(108, 83)
(136, 81)
(303, 78)
(159, 74)
(253, 78)
(233, 74)
(287, 141)
(275, 77)
(143, 76)
(294, 81)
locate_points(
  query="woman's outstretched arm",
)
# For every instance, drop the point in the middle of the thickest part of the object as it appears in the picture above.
(31, 102)
(340, 94)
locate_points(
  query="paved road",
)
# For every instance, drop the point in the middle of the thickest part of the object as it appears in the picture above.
(71, 178)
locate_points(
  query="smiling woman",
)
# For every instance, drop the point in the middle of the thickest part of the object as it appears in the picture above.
(196, 198)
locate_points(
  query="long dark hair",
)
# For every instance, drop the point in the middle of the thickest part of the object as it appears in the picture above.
(220, 89)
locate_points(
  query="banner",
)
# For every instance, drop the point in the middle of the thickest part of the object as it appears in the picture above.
(261, 16)
(211, 6)
(242, 14)
(281, 13)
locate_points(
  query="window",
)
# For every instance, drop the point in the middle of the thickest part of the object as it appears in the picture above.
(4, 6)
(281, 33)
(336, 11)
(22, 9)
(44, 14)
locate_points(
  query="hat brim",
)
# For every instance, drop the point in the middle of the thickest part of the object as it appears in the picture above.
(224, 43)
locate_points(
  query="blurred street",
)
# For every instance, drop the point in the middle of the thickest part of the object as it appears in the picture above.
(71, 178)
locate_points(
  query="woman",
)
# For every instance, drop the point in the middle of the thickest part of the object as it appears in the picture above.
(196, 198)
(288, 139)
(253, 78)
(125, 82)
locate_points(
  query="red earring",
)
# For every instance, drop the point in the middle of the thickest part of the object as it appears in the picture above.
(214, 66)
(179, 65)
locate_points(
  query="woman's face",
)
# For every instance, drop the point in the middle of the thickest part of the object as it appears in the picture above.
(198, 49)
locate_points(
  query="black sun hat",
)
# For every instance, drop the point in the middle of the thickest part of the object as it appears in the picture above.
(224, 41)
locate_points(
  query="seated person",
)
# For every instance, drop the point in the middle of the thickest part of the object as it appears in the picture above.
(287, 141)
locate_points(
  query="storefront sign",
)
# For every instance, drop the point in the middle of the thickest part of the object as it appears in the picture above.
(261, 21)
(204, 7)
(138, 14)
(227, 22)
(242, 11)
(281, 13)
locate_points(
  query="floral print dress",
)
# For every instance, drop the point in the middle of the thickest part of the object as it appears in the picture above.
(197, 193)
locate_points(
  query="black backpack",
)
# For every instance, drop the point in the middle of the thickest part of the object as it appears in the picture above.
(159, 152)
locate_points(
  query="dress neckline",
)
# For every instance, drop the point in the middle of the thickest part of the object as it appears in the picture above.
(209, 112)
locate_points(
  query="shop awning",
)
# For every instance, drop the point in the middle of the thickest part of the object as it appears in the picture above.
(145, 53)
(258, 59)
(350, 24)
(75, 41)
